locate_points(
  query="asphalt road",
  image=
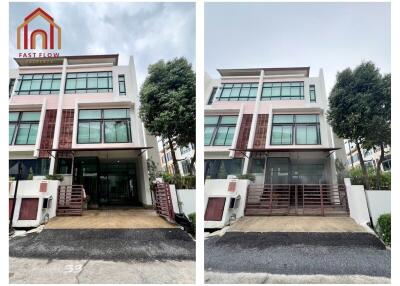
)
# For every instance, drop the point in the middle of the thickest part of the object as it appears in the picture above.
(297, 254)
(106, 244)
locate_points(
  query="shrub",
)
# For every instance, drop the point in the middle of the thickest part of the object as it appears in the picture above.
(180, 182)
(383, 228)
(192, 218)
(57, 177)
(357, 178)
(249, 177)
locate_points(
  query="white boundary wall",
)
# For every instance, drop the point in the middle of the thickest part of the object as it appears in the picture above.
(187, 198)
(359, 200)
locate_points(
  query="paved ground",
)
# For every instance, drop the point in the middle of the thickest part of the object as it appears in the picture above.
(130, 218)
(100, 272)
(106, 244)
(296, 224)
(295, 254)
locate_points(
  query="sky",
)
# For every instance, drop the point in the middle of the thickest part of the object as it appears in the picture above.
(331, 36)
(148, 31)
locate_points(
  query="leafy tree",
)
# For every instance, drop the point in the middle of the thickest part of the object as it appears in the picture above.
(168, 102)
(359, 104)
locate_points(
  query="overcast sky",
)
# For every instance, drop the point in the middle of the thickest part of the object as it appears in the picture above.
(332, 36)
(148, 31)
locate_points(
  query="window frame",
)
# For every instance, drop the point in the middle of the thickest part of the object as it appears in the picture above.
(312, 93)
(231, 86)
(281, 85)
(212, 95)
(121, 80)
(86, 75)
(17, 123)
(218, 125)
(103, 120)
(40, 91)
(294, 124)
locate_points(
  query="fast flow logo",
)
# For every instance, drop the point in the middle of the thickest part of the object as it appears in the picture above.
(49, 34)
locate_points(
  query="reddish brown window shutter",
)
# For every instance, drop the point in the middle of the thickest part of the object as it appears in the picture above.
(49, 124)
(244, 133)
(215, 209)
(67, 126)
(261, 131)
(29, 208)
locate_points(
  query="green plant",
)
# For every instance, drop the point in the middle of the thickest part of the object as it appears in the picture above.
(383, 228)
(249, 177)
(180, 182)
(356, 177)
(57, 177)
(30, 175)
(192, 218)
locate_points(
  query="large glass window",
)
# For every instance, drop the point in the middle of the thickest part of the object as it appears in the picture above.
(312, 93)
(23, 127)
(238, 91)
(303, 127)
(219, 130)
(220, 169)
(282, 90)
(39, 167)
(89, 82)
(38, 84)
(104, 125)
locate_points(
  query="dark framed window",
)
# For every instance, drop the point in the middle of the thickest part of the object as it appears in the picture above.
(23, 127)
(219, 130)
(238, 92)
(313, 97)
(212, 95)
(104, 125)
(11, 86)
(89, 82)
(39, 167)
(64, 165)
(283, 90)
(32, 84)
(304, 128)
(121, 84)
(221, 168)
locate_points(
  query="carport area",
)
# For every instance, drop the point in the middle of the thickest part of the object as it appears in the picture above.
(296, 224)
(113, 218)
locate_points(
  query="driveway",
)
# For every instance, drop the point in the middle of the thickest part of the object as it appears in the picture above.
(296, 256)
(164, 255)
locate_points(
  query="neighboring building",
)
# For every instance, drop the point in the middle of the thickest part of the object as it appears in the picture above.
(271, 123)
(371, 157)
(183, 156)
(78, 116)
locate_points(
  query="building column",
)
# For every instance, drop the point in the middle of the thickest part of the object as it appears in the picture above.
(57, 127)
(252, 134)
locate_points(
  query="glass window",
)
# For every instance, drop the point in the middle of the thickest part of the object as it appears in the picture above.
(212, 95)
(30, 116)
(23, 127)
(304, 126)
(282, 91)
(238, 91)
(91, 82)
(121, 84)
(64, 166)
(312, 93)
(11, 130)
(220, 169)
(114, 123)
(11, 84)
(219, 130)
(38, 84)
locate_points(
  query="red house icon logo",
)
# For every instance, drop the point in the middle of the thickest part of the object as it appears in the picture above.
(47, 37)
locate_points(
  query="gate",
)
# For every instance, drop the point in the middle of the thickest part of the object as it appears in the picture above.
(70, 200)
(275, 199)
(162, 201)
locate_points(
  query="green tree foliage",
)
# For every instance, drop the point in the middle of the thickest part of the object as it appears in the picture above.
(168, 103)
(359, 104)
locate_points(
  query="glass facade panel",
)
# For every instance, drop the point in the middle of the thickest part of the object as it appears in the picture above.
(208, 134)
(211, 119)
(30, 116)
(121, 84)
(219, 130)
(220, 169)
(89, 114)
(312, 93)
(23, 127)
(115, 113)
(283, 91)
(238, 91)
(11, 130)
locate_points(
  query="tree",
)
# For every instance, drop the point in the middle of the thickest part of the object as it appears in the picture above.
(353, 111)
(168, 103)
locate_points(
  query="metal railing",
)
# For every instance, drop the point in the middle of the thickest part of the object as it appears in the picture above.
(289, 199)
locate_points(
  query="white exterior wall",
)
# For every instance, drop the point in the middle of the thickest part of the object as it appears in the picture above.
(185, 197)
